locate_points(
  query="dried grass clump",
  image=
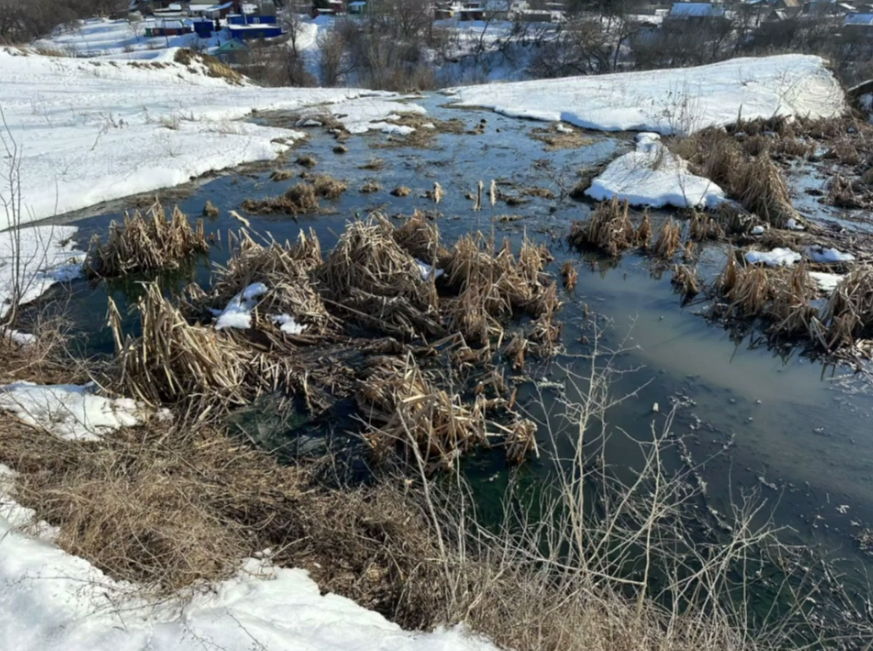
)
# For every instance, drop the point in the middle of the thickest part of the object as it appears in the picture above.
(403, 410)
(146, 242)
(609, 229)
(374, 164)
(281, 175)
(370, 187)
(669, 239)
(286, 270)
(328, 187)
(369, 275)
(307, 161)
(492, 286)
(704, 227)
(844, 193)
(849, 311)
(299, 199)
(209, 210)
(845, 152)
(172, 361)
(686, 281)
(569, 275)
(401, 191)
(762, 190)
(790, 311)
(340, 149)
(420, 237)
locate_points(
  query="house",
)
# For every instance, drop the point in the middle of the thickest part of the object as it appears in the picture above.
(357, 7)
(203, 27)
(251, 19)
(164, 27)
(327, 8)
(212, 9)
(232, 51)
(858, 24)
(696, 11)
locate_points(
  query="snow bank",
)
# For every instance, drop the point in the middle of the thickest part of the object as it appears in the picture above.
(68, 411)
(774, 258)
(52, 601)
(238, 313)
(653, 176)
(427, 271)
(828, 256)
(826, 282)
(96, 130)
(671, 101)
(36, 258)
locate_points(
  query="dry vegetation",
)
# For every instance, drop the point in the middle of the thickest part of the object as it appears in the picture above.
(610, 229)
(146, 242)
(300, 199)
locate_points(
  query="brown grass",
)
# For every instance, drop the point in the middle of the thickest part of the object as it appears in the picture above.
(340, 149)
(849, 311)
(214, 67)
(145, 242)
(306, 160)
(401, 191)
(374, 164)
(369, 275)
(420, 237)
(370, 187)
(669, 239)
(686, 281)
(569, 275)
(299, 199)
(209, 210)
(401, 409)
(609, 229)
(703, 227)
(281, 175)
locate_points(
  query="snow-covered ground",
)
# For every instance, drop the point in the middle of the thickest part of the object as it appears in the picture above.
(654, 176)
(100, 37)
(52, 601)
(34, 259)
(671, 101)
(100, 129)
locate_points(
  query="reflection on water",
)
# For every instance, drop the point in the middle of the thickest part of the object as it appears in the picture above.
(754, 419)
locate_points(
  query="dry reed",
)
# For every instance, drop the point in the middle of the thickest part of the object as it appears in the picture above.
(145, 242)
(669, 239)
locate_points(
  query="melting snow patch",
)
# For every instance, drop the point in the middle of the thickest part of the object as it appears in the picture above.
(288, 325)
(794, 225)
(53, 601)
(427, 271)
(821, 254)
(775, 258)
(826, 282)
(38, 257)
(653, 176)
(680, 100)
(758, 230)
(67, 410)
(238, 313)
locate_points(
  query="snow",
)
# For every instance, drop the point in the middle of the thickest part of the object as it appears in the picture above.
(288, 324)
(671, 101)
(427, 271)
(794, 225)
(758, 230)
(238, 313)
(774, 258)
(101, 129)
(821, 254)
(38, 257)
(53, 601)
(826, 282)
(20, 338)
(68, 411)
(653, 176)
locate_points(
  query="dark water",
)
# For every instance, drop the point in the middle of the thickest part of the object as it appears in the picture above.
(756, 419)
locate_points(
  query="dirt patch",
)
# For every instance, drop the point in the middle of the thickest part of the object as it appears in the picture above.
(560, 136)
(426, 130)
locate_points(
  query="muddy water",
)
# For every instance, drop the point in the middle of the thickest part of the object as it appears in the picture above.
(757, 419)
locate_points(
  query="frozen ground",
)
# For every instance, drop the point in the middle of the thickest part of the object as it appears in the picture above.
(654, 176)
(100, 129)
(52, 601)
(671, 101)
(34, 259)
